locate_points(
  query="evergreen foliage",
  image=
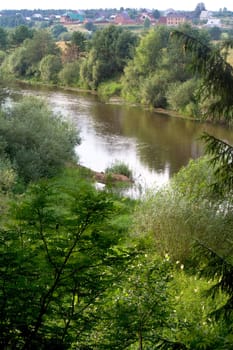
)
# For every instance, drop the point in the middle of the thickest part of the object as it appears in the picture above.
(222, 159)
(216, 73)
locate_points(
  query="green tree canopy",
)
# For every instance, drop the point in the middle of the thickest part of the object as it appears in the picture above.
(79, 39)
(21, 33)
(3, 39)
(37, 141)
(111, 48)
(57, 30)
(50, 66)
(40, 45)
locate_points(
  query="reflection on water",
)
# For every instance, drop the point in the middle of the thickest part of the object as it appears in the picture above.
(155, 146)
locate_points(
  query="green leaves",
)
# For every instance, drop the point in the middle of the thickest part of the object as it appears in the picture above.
(217, 75)
(111, 48)
(222, 159)
(37, 142)
(60, 260)
(138, 306)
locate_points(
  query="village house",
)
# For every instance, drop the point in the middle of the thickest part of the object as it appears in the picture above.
(175, 19)
(162, 20)
(123, 19)
(145, 15)
(205, 15)
(72, 17)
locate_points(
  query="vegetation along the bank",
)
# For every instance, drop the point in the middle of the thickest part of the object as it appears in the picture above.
(149, 67)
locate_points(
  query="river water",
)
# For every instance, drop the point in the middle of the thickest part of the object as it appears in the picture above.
(155, 146)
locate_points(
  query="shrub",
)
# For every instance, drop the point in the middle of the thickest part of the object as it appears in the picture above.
(69, 75)
(109, 89)
(37, 142)
(119, 168)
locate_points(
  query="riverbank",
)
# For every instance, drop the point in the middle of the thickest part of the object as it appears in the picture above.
(112, 100)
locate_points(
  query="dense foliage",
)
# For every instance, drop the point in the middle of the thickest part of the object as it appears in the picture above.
(151, 69)
(37, 142)
(88, 269)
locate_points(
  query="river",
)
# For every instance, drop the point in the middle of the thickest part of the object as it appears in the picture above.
(154, 146)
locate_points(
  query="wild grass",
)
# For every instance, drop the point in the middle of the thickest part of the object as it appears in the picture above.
(119, 167)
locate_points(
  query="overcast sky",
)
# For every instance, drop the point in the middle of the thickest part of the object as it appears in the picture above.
(87, 4)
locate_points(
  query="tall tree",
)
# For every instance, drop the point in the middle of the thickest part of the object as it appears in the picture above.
(42, 44)
(199, 8)
(20, 34)
(111, 48)
(3, 39)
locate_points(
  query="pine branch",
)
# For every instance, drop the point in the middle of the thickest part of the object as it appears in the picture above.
(216, 72)
(222, 160)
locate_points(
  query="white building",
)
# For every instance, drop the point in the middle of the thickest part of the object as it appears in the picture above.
(205, 15)
(213, 22)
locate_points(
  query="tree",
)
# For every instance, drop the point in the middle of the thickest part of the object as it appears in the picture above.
(17, 63)
(2, 56)
(37, 142)
(181, 97)
(41, 45)
(156, 14)
(153, 89)
(215, 33)
(70, 73)
(50, 66)
(90, 27)
(145, 63)
(147, 23)
(3, 39)
(20, 34)
(111, 48)
(57, 260)
(75, 49)
(57, 30)
(24, 60)
(12, 21)
(79, 39)
(199, 8)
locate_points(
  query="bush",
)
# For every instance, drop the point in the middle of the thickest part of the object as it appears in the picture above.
(109, 89)
(181, 97)
(119, 168)
(37, 142)
(153, 90)
(50, 66)
(7, 176)
(69, 75)
(184, 212)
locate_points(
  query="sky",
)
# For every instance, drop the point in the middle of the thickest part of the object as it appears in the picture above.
(190, 5)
